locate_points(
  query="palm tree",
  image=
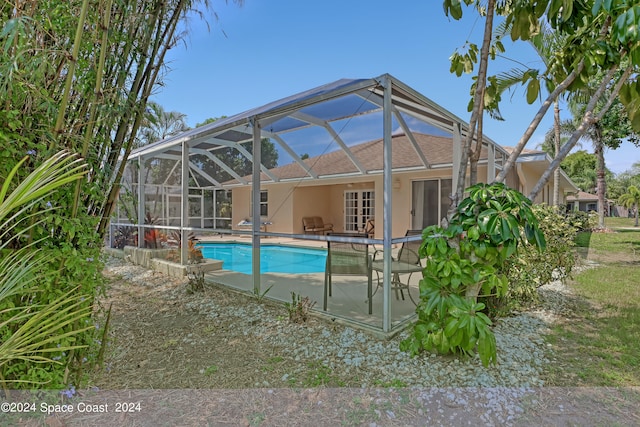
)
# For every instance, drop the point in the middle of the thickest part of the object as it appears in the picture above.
(546, 44)
(608, 132)
(566, 128)
(160, 124)
(631, 199)
(555, 137)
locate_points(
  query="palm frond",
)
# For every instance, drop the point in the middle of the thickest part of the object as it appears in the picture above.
(16, 271)
(40, 330)
(43, 329)
(508, 79)
(54, 172)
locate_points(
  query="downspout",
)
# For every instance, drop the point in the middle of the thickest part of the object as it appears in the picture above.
(521, 178)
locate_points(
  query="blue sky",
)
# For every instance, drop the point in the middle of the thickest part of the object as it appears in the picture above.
(265, 51)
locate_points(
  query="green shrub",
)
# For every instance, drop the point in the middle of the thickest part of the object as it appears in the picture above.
(49, 277)
(582, 221)
(464, 264)
(530, 268)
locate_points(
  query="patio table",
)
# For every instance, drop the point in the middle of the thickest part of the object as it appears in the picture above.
(397, 268)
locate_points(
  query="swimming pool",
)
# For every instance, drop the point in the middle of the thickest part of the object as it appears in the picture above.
(273, 258)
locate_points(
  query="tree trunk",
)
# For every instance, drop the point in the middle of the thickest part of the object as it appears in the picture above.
(556, 173)
(587, 120)
(474, 156)
(478, 104)
(566, 148)
(636, 209)
(511, 161)
(601, 185)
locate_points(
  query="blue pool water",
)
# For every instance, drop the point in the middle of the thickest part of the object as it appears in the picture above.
(273, 258)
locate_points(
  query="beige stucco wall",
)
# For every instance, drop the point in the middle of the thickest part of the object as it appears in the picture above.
(241, 205)
(529, 176)
(290, 202)
(312, 201)
(279, 202)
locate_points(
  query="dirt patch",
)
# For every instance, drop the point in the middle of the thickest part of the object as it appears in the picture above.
(157, 341)
(209, 370)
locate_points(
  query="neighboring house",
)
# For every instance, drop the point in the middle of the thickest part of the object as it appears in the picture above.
(582, 201)
(587, 202)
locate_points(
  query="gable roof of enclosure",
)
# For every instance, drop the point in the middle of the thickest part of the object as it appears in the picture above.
(319, 107)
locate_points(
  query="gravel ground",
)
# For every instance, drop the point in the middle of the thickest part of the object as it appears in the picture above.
(522, 351)
(246, 334)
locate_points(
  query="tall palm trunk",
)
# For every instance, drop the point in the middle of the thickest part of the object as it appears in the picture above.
(556, 173)
(601, 184)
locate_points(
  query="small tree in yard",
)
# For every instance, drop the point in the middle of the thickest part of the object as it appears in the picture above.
(600, 36)
(463, 263)
(631, 199)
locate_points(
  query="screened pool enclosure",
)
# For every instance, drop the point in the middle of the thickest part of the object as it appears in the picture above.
(350, 152)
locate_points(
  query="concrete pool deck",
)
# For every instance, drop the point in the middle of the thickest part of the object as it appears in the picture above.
(348, 303)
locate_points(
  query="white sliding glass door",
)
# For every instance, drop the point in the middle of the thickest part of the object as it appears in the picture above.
(430, 202)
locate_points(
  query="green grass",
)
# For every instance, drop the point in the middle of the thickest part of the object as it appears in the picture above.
(613, 222)
(615, 285)
(211, 370)
(600, 345)
(318, 375)
(621, 242)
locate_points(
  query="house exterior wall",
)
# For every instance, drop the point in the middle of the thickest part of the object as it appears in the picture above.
(288, 203)
(311, 201)
(589, 205)
(528, 179)
(241, 209)
(279, 207)
(531, 177)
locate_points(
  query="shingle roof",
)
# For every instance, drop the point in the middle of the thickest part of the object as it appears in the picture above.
(582, 197)
(437, 150)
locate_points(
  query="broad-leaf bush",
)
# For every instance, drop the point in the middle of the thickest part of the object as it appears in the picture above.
(463, 263)
(530, 268)
(582, 221)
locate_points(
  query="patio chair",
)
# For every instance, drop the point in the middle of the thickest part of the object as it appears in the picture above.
(347, 259)
(315, 225)
(370, 228)
(407, 262)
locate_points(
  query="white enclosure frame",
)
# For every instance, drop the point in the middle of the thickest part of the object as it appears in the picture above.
(390, 96)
